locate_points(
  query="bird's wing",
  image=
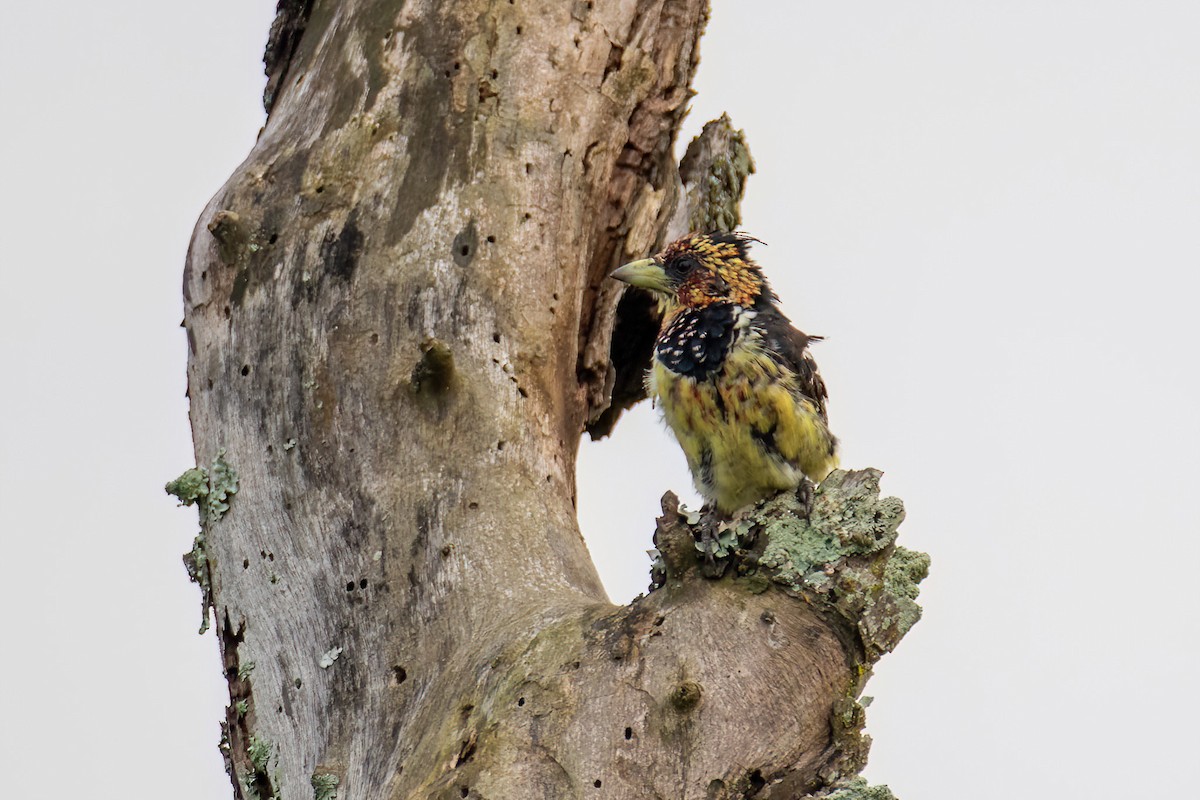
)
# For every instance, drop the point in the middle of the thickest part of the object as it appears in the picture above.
(790, 347)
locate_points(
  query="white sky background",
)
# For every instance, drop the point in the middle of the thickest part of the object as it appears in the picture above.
(991, 211)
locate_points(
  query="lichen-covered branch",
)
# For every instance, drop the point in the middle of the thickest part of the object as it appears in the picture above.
(211, 490)
(833, 548)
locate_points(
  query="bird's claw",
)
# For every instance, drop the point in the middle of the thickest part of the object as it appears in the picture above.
(804, 494)
(709, 545)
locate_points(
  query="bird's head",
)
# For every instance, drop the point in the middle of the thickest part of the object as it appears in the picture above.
(701, 269)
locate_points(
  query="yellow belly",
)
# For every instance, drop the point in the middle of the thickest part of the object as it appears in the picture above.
(748, 433)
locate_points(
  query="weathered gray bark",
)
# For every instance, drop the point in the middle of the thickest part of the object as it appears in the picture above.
(399, 327)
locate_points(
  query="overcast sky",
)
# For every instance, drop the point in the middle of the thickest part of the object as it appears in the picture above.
(989, 209)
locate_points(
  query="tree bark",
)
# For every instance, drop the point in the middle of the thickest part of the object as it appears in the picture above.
(398, 326)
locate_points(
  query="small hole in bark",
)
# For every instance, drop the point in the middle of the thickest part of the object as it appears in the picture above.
(245, 369)
(495, 74)
(491, 239)
(273, 238)
(362, 583)
(298, 683)
(549, 478)
(278, 709)
(464, 791)
(374, 338)
(472, 505)
(320, 189)
(245, 563)
(270, 449)
(496, 339)
(500, 445)
(465, 250)
(399, 674)
(528, 170)
(225, 311)
(210, 383)
(522, 392)
(518, 30)
(350, 586)
(520, 701)
(596, 783)
(204, 275)
(527, 216)
(659, 621)
(628, 734)
(575, 665)
(757, 782)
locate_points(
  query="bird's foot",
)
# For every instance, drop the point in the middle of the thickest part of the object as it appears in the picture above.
(714, 557)
(804, 494)
(721, 538)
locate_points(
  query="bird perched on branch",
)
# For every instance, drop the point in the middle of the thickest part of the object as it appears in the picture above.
(735, 381)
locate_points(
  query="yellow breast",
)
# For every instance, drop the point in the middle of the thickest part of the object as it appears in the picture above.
(746, 431)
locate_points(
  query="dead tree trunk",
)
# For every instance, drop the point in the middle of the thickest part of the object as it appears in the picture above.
(398, 327)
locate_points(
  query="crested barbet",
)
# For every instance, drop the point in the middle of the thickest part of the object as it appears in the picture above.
(735, 381)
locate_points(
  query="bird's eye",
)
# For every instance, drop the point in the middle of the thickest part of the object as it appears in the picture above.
(679, 267)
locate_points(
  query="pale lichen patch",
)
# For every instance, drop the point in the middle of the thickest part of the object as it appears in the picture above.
(324, 786)
(857, 789)
(211, 490)
(844, 549)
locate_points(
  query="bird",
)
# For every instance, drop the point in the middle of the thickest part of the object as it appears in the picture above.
(736, 382)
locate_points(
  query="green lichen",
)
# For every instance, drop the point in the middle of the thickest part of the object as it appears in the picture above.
(257, 785)
(211, 489)
(850, 745)
(844, 549)
(847, 518)
(857, 789)
(245, 669)
(195, 562)
(242, 707)
(190, 486)
(325, 786)
(259, 751)
(223, 484)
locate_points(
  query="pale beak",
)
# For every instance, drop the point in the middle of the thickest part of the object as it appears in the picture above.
(645, 274)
